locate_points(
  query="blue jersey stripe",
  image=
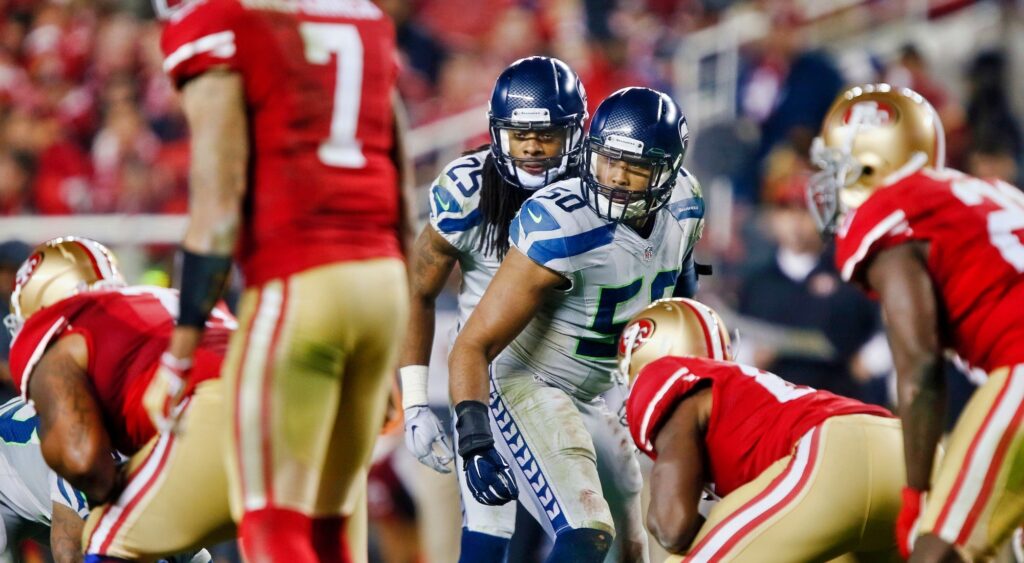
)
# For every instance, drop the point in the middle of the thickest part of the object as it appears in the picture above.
(544, 251)
(692, 208)
(62, 486)
(453, 225)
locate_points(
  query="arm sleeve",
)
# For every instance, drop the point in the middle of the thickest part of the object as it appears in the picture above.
(688, 282)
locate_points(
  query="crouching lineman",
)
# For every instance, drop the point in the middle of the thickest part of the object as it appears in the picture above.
(805, 475)
(86, 347)
(586, 254)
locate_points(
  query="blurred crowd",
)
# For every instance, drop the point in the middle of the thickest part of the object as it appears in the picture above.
(89, 124)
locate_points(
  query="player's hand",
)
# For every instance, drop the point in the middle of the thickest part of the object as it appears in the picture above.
(489, 478)
(906, 522)
(426, 439)
(164, 395)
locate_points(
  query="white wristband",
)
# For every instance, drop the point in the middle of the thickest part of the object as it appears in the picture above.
(414, 385)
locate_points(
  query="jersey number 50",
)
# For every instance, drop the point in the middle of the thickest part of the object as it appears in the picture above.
(342, 148)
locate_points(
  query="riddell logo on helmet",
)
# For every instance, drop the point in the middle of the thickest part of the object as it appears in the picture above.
(28, 268)
(870, 114)
(636, 334)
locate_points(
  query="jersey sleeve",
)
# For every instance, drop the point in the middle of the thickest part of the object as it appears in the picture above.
(203, 36)
(880, 223)
(455, 201)
(555, 229)
(41, 330)
(658, 388)
(61, 492)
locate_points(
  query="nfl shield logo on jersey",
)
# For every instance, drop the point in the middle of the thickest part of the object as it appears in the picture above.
(648, 253)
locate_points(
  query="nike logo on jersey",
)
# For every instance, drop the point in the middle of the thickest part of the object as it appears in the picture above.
(440, 203)
(536, 218)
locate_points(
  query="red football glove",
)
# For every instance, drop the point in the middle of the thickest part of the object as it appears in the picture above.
(165, 392)
(906, 522)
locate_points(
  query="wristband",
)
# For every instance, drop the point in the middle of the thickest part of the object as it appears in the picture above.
(414, 385)
(473, 426)
(203, 279)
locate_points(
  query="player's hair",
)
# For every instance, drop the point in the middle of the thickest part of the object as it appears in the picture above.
(499, 203)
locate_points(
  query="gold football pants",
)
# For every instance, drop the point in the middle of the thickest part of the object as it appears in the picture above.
(309, 370)
(837, 493)
(977, 496)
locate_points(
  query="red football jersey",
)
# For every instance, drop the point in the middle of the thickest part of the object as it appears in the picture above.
(318, 77)
(974, 229)
(756, 416)
(127, 330)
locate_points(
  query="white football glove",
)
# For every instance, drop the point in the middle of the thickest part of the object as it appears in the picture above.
(426, 439)
(424, 435)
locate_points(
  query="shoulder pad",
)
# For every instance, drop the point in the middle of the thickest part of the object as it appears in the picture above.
(557, 229)
(658, 388)
(687, 200)
(455, 198)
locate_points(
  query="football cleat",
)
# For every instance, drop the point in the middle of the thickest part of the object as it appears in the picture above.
(871, 136)
(672, 327)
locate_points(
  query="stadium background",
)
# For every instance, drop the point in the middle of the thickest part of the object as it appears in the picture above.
(92, 142)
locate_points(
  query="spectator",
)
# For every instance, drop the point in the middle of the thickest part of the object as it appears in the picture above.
(992, 126)
(809, 327)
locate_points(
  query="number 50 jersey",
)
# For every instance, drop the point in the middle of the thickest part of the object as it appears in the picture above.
(974, 233)
(614, 273)
(318, 77)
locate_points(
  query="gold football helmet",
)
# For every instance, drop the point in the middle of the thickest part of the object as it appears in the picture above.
(871, 136)
(58, 269)
(672, 327)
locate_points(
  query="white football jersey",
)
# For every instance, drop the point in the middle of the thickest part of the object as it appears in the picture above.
(613, 271)
(28, 487)
(455, 214)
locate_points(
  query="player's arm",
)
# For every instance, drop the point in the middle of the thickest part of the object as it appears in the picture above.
(214, 105)
(513, 298)
(66, 535)
(403, 164)
(430, 265)
(900, 277)
(686, 283)
(72, 436)
(678, 479)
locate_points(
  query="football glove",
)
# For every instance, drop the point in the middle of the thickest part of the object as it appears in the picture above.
(906, 522)
(164, 395)
(489, 478)
(426, 439)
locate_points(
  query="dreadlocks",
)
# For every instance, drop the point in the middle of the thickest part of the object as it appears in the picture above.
(499, 203)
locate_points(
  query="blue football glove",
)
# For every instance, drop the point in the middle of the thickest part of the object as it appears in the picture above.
(489, 478)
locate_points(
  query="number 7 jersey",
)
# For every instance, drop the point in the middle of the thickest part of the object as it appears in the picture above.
(973, 229)
(318, 77)
(613, 274)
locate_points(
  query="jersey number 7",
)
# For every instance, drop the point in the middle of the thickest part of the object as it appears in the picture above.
(342, 148)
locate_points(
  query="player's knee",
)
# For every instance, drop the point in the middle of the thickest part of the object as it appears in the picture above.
(478, 547)
(581, 545)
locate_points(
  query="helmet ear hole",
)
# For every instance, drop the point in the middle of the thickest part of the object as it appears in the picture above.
(867, 171)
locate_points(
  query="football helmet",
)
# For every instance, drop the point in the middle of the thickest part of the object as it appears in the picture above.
(645, 131)
(56, 270)
(871, 136)
(541, 95)
(672, 327)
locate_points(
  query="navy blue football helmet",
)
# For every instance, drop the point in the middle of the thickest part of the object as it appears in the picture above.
(538, 98)
(637, 136)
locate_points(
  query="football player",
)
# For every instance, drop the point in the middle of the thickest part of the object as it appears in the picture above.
(31, 494)
(86, 347)
(943, 253)
(295, 169)
(539, 349)
(536, 119)
(803, 475)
